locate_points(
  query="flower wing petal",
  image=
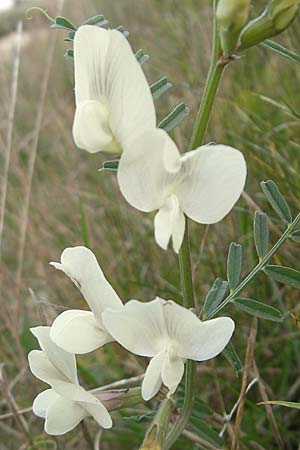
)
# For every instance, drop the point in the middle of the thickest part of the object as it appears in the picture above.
(153, 381)
(148, 170)
(194, 339)
(214, 179)
(81, 265)
(42, 402)
(172, 372)
(44, 370)
(91, 130)
(78, 332)
(139, 327)
(169, 221)
(63, 415)
(211, 337)
(100, 414)
(62, 361)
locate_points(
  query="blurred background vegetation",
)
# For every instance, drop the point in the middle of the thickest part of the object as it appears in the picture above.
(57, 198)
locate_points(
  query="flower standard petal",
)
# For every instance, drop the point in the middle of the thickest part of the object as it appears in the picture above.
(63, 415)
(139, 327)
(214, 178)
(63, 362)
(78, 332)
(153, 380)
(107, 71)
(148, 170)
(81, 265)
(128, 91)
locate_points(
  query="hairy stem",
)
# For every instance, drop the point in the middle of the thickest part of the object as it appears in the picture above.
(207, 101)
(260, 266)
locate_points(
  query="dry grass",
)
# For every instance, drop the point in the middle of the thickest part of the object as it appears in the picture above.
(70, 203)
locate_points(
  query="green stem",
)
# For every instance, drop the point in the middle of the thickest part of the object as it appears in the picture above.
(213, 80)
(207, 101)
(186, 270)
(260, 266)
(209, 95)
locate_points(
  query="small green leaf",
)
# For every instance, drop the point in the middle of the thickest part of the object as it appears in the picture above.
(160, 87)
(281, 50)
(258, 309)
(63, 23)
(214, 296)
(141, 56)
(276, 200)
(98, 21)
(123, 31)
(284, 275)
(207, 433)
(295, 236)
(69, 54)
(175, 117)
(70, 37)
(234, 265)
(281, 403)
(261, 233)
(111, 165)
(200, 410)
(233, 358)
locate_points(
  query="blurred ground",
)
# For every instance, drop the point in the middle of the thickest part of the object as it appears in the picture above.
(72, 203)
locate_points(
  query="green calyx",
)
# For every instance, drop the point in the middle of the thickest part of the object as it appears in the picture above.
(232, 16)
(278, 16)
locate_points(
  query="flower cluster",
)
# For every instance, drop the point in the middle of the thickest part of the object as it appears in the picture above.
(115, 113)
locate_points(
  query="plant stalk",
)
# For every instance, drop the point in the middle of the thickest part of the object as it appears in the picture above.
(211, 87)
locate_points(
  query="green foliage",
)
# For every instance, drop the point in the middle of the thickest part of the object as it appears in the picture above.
(281, 50)
(295, 236)
(261, 233)
(258, 309)
(234, 265)
(111, 165)
(63, 24)
(284, 275)
(160, 87)
(277, 201)
(233, 358)
(175, 117)
(293, 405)
(98, 20)
(214, 296)
(141, 56)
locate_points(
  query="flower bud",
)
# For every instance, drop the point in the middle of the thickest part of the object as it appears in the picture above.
(154, 439)
(232, 16)
(278, 15)
(156, 435)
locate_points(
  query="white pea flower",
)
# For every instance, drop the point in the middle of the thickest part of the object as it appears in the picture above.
(169, 334)
(78, 331)
(204, 184)
(113, 98)
(66, 403)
